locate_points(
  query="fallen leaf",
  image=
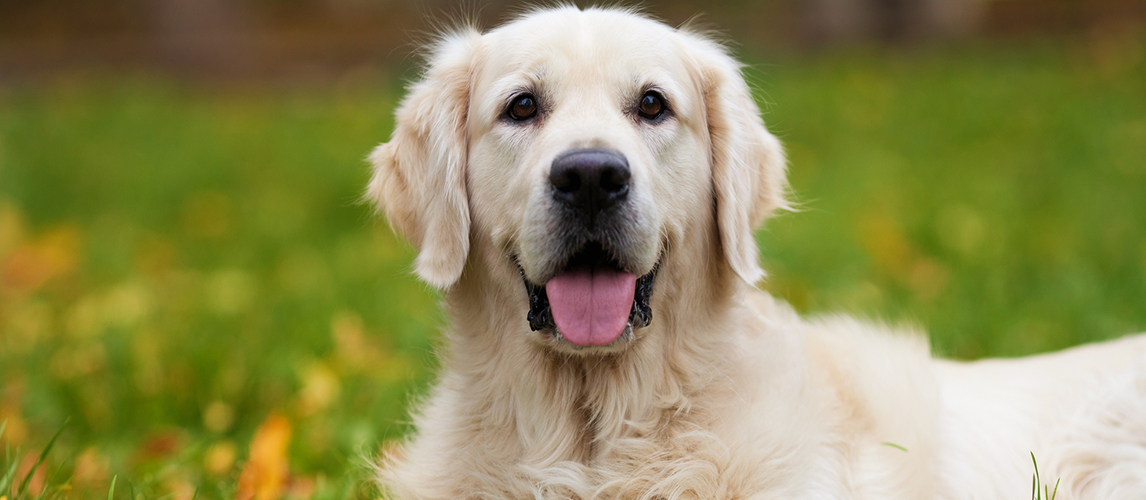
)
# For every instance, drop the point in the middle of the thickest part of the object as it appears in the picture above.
(264, 477)
(54, 253)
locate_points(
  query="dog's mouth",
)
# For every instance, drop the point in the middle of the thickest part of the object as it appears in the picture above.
(592, 301)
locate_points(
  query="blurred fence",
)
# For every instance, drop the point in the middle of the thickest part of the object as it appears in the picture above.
(321, 38)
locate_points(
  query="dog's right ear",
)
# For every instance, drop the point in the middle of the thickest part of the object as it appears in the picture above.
(748, 166)
(420, 175)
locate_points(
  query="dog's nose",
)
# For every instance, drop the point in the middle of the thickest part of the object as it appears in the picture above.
(590, 180)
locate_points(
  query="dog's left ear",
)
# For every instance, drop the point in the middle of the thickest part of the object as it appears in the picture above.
(419, 176)
(748, 166)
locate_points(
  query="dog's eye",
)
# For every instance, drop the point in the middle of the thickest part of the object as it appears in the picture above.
(523, 107)
(652, 106)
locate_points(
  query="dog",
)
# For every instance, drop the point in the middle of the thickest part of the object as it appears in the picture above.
(583, 186)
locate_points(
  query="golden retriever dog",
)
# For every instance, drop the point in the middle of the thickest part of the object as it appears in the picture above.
(583, 187)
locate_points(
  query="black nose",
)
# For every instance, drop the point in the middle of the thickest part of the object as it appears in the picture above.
(590, 181)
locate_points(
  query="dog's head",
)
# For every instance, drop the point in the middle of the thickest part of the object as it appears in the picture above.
(584, 151)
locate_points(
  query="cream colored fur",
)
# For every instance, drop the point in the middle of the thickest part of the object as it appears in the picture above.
(728, 394)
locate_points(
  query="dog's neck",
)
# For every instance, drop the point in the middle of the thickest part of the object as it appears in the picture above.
(571, 407)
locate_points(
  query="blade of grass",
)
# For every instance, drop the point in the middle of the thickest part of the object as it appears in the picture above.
(51, 479)
(43, 454)
(7, 477)
(52, 493)
(1037, 481)
(6, 481)
(111, 490)
(893, 445)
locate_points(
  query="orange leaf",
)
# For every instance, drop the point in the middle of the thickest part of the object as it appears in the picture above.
(52, 254)
(264, 477)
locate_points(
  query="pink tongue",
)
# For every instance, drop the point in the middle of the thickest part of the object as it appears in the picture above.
(591, 307)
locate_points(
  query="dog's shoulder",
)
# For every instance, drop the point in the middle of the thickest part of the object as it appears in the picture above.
(886, 400)
(872, 387)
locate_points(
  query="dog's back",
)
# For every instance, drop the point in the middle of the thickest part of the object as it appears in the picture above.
(1081, 412)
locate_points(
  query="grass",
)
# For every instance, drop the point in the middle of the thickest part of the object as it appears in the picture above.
(1046, 493)
(19, 486)
(187, 274)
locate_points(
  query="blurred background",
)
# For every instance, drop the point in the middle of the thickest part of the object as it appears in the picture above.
(188, 277)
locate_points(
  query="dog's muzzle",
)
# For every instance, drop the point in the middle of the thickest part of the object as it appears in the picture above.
(592, 297)
(587, 265)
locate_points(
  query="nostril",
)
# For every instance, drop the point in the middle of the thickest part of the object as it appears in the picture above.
(566, 180)
(614, 180)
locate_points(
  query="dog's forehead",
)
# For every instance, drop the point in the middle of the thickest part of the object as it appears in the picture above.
(595, 46)
(572, 29)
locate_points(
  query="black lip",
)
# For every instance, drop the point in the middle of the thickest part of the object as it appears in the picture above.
(540, 316)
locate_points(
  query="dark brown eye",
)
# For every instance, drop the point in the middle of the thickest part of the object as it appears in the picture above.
(523, 107)
(652, 106)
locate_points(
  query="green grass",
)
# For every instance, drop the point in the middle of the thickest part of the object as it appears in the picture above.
(179, 264)
(1046, 493)
(994, 197)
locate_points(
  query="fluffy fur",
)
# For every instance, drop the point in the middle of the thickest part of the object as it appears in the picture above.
(728, 394)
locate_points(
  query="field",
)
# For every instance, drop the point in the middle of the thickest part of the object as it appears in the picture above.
(189, 279)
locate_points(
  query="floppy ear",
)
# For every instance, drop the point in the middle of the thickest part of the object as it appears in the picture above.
(419, 176)
(748, 166)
